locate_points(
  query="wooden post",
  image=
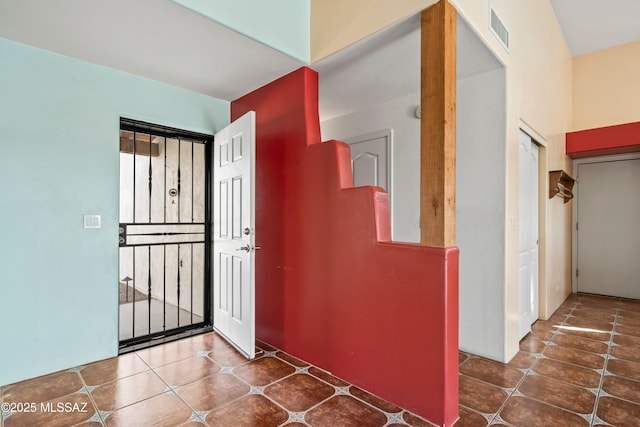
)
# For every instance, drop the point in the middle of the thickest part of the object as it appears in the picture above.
(438, 126)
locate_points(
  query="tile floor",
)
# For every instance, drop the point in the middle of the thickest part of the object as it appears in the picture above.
(200, 381)
(579, 368)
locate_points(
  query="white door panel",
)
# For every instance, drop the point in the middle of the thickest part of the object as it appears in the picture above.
(528, 255)
(608, 236)
(233, 233)
(371, 159)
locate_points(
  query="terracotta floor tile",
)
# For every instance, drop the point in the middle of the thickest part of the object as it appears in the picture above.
(299, 392)
(470, 418)
(558, 318)
(618, 412)
(627, 353)
(43, 389)
(590, 333)
(373, 400)
(113, 369)
(628, 330)
(557, 393)
(521, 411)
(225, 355)
(492, 372)
(629, 315)
(587, 323)
(627, 340)
(600, 301)
(291, 360)
(345, 411)
(566, 372)
(630, 307)
(624, 368)
(265, 346)
(188, 370)
(415, 421)
(545, 326)
(532, 344)
(628, 321)
(481, 396)
(522, 360)
(212, 392)
(159, 411)
(73, 409)
(579, 343)
(577, 357)
(169, 353)
(542, 335)
(264, 371)
(605, 316)
(623, 388)
(327, 377)
(250, 411)
(126, 391)
(193, 424)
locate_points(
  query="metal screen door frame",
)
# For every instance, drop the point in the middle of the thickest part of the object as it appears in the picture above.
(145, 235)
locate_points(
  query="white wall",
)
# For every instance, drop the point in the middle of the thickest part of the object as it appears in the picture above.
(480, 212)
(398, 115)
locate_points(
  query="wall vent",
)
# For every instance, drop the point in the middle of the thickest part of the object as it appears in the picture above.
(499, 29)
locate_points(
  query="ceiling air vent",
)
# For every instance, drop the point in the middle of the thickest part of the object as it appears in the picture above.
(499, 29)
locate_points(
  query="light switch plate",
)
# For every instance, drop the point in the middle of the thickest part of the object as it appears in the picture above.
(92, 221)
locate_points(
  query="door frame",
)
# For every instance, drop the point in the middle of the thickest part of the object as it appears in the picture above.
(134, 344)
(576, 192)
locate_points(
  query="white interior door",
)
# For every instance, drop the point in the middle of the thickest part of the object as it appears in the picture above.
(233, 233)
(528, 258)
(371, 159)
(608, 231)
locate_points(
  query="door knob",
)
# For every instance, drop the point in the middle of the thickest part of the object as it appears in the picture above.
(244, 248)
(257, 248)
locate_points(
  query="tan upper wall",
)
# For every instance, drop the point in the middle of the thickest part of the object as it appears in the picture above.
(606, 87)
(336, 24)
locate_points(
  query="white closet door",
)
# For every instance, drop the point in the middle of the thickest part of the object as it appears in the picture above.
(528, 257)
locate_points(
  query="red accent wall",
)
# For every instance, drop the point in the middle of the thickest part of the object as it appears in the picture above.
(604, 141)
(330, 286)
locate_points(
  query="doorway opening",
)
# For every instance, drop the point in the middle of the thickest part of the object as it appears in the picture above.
(164, 258)
(605, 238)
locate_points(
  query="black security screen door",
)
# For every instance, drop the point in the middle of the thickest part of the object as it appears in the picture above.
(164, 262)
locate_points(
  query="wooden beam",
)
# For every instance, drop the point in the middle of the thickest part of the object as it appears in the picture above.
(438, 126)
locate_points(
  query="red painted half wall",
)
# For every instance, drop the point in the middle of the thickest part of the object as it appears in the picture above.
(330, 286)
(604, 141)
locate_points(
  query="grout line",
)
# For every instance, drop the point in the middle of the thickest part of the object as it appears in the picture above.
(594, 415)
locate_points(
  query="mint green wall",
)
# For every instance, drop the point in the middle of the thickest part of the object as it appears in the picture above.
(59, 159)
(284, 25)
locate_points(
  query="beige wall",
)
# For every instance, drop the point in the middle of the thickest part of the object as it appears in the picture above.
(539, 93)
(606, 87)
(336, 24)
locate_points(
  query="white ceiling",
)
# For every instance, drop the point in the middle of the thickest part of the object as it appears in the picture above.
(163, 41)
(156, 39)
(592, 25)
(386, 66)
